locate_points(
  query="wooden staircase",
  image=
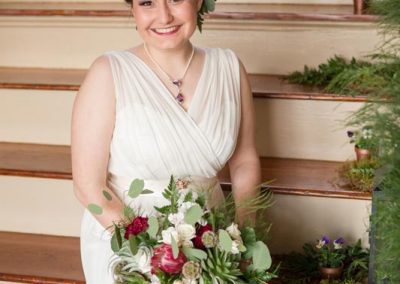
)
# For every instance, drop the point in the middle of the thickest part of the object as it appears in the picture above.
(38, 89)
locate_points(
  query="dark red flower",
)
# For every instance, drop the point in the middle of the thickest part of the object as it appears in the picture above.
(138, 225)
(163, 259)
(197, 242)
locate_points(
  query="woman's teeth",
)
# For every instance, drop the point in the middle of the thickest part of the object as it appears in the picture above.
(166, 30)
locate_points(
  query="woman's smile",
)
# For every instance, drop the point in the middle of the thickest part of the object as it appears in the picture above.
(166, 31)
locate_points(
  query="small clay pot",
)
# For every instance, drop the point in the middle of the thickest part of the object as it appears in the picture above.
(331, 272)
(362, 153)
(358, 7)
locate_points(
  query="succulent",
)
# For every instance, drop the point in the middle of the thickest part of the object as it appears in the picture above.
(219, 267)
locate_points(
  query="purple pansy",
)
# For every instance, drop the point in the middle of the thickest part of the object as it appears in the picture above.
(338, 243)
(326, 240)
(350, 134)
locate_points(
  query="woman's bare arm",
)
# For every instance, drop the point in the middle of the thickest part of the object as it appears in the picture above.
(244, 165)
(93, 121)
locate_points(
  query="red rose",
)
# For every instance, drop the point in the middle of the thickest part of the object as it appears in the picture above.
(138, 225)
(163, 259)
(197, 242)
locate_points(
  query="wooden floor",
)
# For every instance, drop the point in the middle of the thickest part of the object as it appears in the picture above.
(287, 176)
(29, 258)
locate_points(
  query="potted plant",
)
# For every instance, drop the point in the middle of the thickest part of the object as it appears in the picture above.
(364, 142)
(331, 256)
(360, 175)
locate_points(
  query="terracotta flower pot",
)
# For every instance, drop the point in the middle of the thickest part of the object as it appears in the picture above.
(331, 273)
(358, 7)
(362, 153)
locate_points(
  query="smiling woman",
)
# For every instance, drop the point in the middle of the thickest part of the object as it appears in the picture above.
(162, 108)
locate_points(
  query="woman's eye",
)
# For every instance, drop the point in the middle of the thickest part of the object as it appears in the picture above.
(145, 3)
(175, 1)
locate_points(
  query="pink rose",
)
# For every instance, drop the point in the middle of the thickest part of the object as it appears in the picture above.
(197, 242)
(138, 225)
(163, 259)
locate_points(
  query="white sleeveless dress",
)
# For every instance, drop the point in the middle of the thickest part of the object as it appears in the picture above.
(154, 137)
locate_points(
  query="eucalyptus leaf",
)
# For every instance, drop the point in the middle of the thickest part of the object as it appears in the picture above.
(95, 209)
(194, 253)
(128, 212)
(117, 234)
(261, 257)
(175, 249)
(107, 195)
(193, 214)
(114, 243)
(136, 188)
(133, 244)
(225, 240)
(153, 226)
(147, 191)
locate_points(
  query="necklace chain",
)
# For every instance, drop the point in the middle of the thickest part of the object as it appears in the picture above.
(176, 82)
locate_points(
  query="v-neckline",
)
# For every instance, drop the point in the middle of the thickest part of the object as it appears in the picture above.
(167, 91)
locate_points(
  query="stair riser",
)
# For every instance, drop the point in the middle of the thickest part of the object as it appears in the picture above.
(40, 206)
(265, 46)
(303, 129)
(47, 206)
(299, 219)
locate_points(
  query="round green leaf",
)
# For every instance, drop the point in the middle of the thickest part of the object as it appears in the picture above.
(107, 195)
(261, 257)
(194, 253)
(136, 188)
(153, 226)
(193, 214)
(95, 209)
(210, 5)
(225, 240)
(175, 249)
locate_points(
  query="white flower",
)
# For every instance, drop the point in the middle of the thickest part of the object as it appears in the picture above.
(235, 247)
(177, 282)
(154, 279)
(166, 235)
(188, 281)
(203, 221)
(177, 218)
(186, 232)
(234, 231)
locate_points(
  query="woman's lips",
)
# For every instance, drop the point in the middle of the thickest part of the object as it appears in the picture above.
(166, 31)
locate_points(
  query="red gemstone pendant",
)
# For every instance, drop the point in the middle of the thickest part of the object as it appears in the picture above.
(177, 83)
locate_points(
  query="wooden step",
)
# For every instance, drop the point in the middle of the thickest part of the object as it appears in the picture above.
(287, 176)
(263, 86)
(122, 11)
(30, 258)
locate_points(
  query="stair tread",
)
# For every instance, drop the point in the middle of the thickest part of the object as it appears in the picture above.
(290, 176)
(263, 85)
(312, 12)
(47, 259)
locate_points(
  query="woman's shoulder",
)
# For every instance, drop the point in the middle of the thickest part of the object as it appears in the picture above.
(220, 52)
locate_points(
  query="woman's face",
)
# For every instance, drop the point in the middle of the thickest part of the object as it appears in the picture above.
(166, 24)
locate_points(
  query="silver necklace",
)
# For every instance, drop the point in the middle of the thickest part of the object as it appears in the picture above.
(176, 82)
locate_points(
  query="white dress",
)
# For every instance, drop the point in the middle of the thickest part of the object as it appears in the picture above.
(155, 137)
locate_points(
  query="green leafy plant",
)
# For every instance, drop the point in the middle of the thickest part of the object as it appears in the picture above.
(206, 7)
(360, 175)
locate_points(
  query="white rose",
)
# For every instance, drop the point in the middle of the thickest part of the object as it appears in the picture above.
(234, 231)
(177, 282)
(186, 232)
(177, 218)
(166, 235)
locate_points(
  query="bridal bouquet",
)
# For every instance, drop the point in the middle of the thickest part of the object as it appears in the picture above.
(187, 243)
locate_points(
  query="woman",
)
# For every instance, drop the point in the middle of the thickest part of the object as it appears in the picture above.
(163, 107)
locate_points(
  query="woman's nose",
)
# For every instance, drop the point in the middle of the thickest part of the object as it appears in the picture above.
(165, 15)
